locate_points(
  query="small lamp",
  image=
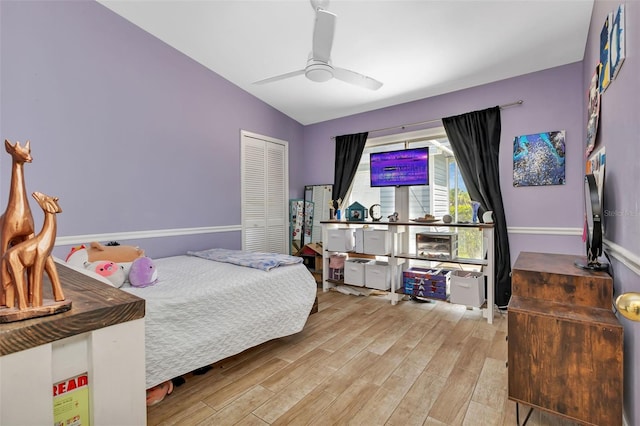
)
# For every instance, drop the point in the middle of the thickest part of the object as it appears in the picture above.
(628, 304)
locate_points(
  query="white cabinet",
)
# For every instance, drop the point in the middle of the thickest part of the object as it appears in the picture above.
(396, 241)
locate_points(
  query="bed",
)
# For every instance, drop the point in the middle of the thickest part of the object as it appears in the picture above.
(201, 311)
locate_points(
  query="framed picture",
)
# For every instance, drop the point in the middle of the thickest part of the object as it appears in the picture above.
(605, 64)
(593, 112)
(539, 159)
(617, 45)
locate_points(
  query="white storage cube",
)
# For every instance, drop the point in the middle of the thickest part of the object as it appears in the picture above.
(359, 240)
(354, 271)
(377, 241)
(467, 288)
(377, 275)
(340, 240)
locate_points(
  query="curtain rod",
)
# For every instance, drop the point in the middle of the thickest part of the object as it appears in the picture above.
(435, 120)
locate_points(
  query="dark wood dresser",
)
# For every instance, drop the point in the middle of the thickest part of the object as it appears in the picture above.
(564, 342)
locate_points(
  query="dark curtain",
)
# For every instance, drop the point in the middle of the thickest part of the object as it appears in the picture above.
(348, 153)
(475, 140)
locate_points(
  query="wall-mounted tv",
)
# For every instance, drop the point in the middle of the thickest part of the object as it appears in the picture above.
(400, 168)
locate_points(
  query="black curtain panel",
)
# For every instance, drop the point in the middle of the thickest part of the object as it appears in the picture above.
(475, 140)
(348, 153)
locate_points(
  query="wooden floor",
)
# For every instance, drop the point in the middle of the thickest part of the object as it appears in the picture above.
(361, 361)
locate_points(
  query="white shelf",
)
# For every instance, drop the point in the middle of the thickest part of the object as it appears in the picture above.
(398, 257)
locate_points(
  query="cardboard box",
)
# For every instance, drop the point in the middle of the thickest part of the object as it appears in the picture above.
(467, 288)
(354, 271)
(340, 240)
(377, 241)
(377, 275)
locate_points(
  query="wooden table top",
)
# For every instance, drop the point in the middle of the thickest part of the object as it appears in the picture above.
(94, 305)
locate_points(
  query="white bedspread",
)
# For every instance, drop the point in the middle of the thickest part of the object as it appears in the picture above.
(201, 311)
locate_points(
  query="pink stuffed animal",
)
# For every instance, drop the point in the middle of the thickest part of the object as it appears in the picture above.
(109, 270)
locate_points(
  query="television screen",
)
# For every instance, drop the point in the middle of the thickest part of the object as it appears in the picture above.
(400, 168)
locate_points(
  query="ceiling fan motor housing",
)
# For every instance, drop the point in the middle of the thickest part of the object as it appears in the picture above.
(318, 71)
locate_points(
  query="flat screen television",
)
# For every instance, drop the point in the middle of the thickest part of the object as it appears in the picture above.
(400, 168)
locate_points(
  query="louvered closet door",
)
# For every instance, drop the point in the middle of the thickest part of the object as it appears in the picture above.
(265, 186)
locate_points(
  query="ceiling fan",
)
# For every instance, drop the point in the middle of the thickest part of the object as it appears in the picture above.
(319, 67)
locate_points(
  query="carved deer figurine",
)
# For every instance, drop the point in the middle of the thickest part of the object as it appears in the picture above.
(34, 255)
(16, 224)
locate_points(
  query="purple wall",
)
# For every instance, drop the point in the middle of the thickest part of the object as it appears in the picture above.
(129, 133)
(552, 101)
(618, 133)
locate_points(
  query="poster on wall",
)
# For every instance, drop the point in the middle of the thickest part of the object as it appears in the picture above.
(539, 159)
(593, 113)
(617, 47)
(71, 401)
(605, 64)
(595, 165)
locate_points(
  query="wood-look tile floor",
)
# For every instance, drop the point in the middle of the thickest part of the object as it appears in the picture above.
(361, 361)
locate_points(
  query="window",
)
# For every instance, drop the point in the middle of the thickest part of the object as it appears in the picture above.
(445, 194)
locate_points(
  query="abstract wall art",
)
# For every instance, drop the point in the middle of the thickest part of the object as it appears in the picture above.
(539, 159)
(593, 112)
(617, 45)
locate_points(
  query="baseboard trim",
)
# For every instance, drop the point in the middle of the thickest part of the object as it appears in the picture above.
(538, 230)
(136, 235)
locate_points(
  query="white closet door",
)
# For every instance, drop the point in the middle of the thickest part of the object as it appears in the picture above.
(265, 183)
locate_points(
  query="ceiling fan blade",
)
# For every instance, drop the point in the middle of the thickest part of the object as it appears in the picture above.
(280, 77)
(323, 31)
(355, 78)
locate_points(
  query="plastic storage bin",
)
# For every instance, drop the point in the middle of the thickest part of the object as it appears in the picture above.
(430, 283)
(437, 245)
(336, 266)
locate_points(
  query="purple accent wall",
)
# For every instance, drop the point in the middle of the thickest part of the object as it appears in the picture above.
(129, 133)
(552, 101)
(618, 133)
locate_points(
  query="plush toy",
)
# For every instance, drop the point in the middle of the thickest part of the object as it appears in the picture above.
(78, 256)
(121, 254)
(117, 254)
(109, 270)
(143, 272)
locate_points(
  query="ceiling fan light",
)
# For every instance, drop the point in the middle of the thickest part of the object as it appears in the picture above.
(319, 72)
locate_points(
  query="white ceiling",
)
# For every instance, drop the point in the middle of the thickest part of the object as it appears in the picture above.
(416, 48)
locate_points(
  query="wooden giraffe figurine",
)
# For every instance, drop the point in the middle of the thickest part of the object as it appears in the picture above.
(16, 224)
(34, 255)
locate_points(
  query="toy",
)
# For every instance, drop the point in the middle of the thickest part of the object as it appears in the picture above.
(158, 393)
(121, 254)
(143, 272)
(117, 254)
(110, 270)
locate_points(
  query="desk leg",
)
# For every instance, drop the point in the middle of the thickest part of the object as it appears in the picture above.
(526, 419)
(490, 274)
